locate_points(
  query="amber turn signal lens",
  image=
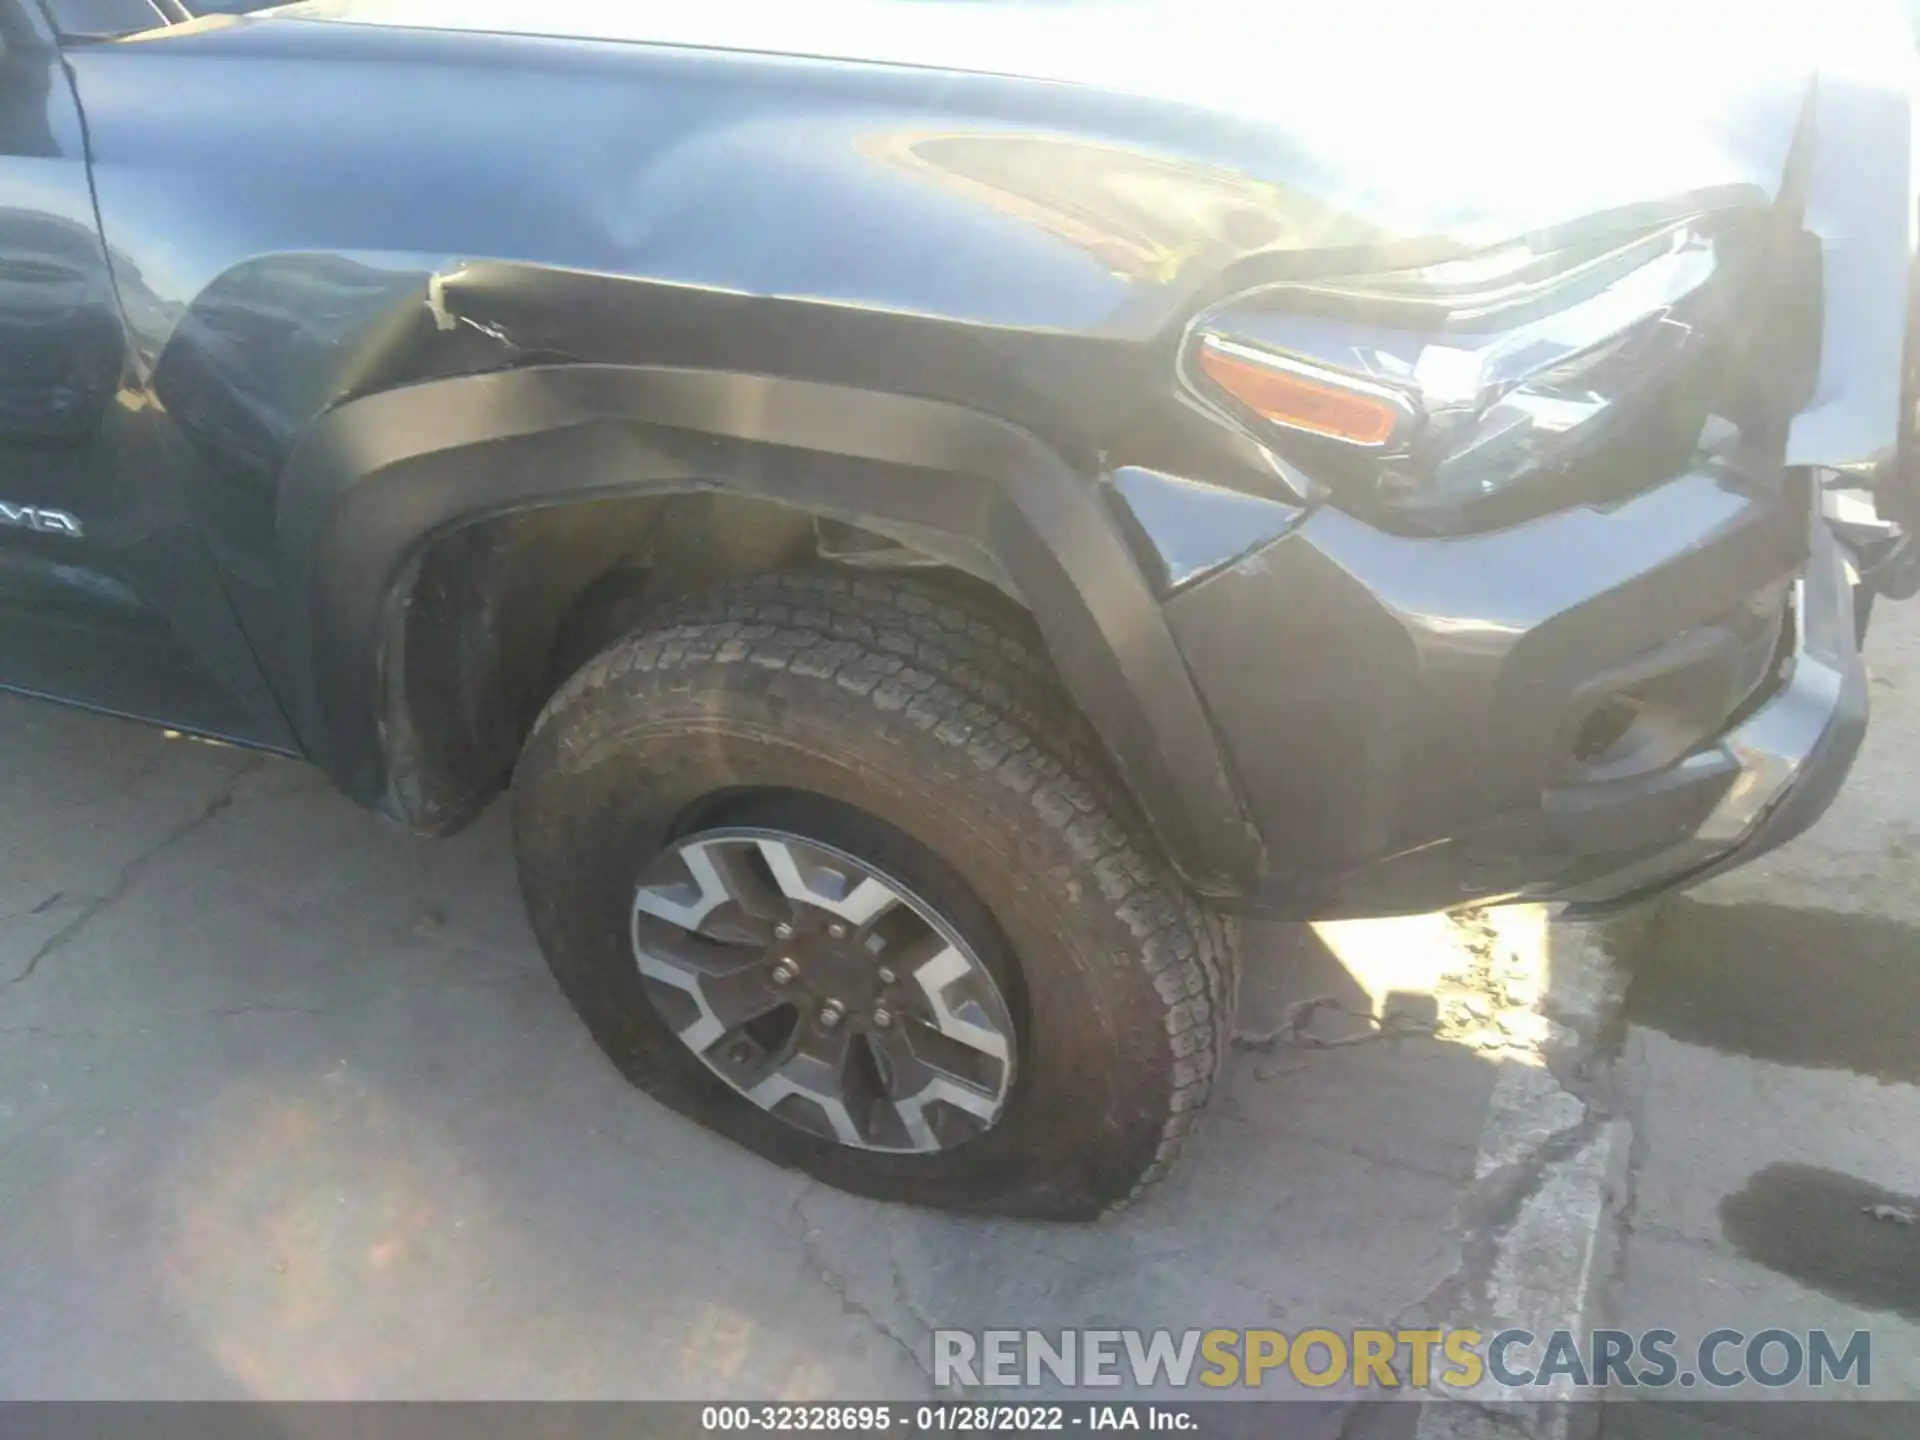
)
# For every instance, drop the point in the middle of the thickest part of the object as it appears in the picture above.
(1276, 392)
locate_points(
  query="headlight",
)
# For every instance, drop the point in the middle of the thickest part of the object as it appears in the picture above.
(1446, 388)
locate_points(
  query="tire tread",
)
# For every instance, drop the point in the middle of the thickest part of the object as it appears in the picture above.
(978, 681)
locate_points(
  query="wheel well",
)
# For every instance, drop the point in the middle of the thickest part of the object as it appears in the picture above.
(491, 617)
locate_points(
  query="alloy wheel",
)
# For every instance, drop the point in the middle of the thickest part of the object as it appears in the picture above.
(823, 990)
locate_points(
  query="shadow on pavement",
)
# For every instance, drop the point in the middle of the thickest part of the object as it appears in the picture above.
(1832, 1232)
(1812, 988)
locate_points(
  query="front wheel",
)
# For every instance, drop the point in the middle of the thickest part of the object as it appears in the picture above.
(832, 868)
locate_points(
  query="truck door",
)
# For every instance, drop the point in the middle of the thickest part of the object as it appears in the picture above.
(107, 598)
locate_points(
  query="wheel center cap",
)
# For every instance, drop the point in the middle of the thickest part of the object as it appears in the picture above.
(832, 970)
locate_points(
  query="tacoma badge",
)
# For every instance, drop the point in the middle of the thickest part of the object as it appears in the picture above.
(34, 517)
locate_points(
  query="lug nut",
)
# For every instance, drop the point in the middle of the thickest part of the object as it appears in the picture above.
(784, 973)
(783, 931)
(837, 930)
(887, 977)
(882, 1017)
(831, 1013)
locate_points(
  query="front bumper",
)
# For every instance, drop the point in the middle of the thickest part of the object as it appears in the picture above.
(1412, 720)
(1789, 758)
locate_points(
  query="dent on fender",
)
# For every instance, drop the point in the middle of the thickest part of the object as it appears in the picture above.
(1190, 530)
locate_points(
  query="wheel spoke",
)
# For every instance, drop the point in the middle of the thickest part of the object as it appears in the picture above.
(867, 1101)
(724, 894)
(728, 988)
(916, 1081)
(744, 993)
(810, 877)
(817, 1071)
(744, 883)
(688, 902)
(944, 976)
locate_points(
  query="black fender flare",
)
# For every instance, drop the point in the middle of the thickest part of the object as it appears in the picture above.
(377, 479)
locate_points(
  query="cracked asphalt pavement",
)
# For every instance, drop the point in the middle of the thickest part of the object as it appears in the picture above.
(290, 1107)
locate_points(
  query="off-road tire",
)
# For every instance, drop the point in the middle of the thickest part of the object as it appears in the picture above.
(927, 734)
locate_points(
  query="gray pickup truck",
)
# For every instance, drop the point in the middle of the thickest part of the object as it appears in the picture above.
(934, 509)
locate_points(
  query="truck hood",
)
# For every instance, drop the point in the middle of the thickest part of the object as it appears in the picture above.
(1476, 120)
